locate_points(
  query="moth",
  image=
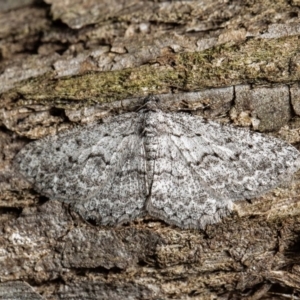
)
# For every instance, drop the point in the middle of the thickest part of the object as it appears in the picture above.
(180, 168)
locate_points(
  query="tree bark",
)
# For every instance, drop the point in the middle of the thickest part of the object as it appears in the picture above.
(65, 63)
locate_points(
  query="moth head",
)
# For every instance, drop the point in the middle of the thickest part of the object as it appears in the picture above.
(151, 103)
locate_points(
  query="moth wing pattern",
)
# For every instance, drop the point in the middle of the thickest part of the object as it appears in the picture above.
(203, 166)
(98, 169)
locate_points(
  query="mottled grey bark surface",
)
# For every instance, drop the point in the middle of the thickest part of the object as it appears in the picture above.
(65, 64)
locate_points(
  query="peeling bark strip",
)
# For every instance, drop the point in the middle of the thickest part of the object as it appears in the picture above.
(256, 61)
(76, 61)
(263, 108)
